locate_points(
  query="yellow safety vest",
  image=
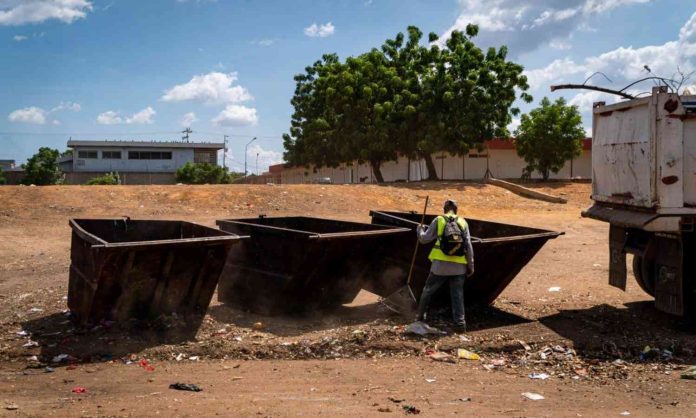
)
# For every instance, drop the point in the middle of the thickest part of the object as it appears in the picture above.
(436, 253)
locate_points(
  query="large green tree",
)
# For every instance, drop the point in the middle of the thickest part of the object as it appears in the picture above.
(549, 136)
(3, 180)
(405, 98)
(42, 168)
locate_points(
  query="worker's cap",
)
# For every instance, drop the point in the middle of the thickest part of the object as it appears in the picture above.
(449, 203)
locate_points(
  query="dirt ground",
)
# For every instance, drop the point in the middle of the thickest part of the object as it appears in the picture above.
(357, 360)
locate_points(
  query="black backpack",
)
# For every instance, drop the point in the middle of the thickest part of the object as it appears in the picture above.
(452, 239)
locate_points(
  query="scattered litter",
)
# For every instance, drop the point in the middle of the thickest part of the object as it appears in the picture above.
(540, 376)
(194, 358)
(258, 326)
(185, 386)
(32, 358)
(464, 339)
(59, 358)
(411, 410)
(421, 328)
(532, 396)
(554, 289)
(689, 373)
(234, 378)
(464, 399)
(31, 343)
(146, 365)
(49, 370)
(466, 354)
(396, 400)
(79, 389)
(179, 357)
(625, 413)
(443, 357)
(35, 310)
(498, 362)
(383, 410)
(430, 380)
(596, 265)
(12, 407)
(22, 333)
(524, 345)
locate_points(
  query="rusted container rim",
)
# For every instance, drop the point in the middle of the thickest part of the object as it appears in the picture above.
(388, 230)
(100, 243)
(545, 234)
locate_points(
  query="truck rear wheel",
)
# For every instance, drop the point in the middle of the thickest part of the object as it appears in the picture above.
(644, 270)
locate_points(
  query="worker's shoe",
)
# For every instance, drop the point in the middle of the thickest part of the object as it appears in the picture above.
(460, 328)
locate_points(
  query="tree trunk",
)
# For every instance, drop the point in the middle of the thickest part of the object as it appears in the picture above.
(545, 174)
(376, 169)
(430, 165)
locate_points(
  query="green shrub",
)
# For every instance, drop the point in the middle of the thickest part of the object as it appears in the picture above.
(110, 179)
(3, 180)
(204, 173)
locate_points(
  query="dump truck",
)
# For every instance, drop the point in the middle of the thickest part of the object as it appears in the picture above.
(644, 186)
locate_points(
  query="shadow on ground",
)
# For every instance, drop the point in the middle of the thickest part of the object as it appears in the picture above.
(57, 335)
(607, 331)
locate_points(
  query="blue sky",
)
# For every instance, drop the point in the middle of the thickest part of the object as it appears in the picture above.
(127, 69)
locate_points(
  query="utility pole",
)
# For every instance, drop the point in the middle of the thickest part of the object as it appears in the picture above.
(257, 163)
(186, 133)
(224, 150)
(245, 155)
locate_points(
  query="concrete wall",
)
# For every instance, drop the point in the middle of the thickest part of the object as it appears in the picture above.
(502, 163)
(179, 158)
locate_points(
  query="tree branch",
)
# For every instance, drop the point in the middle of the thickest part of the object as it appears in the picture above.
(595, 88)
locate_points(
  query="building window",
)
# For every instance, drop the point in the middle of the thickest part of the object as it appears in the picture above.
(111, 155)
(149, 155)
(87, 154)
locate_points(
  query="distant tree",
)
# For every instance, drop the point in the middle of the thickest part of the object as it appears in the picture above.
(3, 180)
(204, 173)
(549, 136)
(66, 153)
(109, 179)
(42, 168)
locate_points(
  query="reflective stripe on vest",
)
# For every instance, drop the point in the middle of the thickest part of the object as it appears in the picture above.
(436, 253)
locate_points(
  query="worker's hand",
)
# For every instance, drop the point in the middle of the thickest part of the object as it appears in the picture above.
(469, 270)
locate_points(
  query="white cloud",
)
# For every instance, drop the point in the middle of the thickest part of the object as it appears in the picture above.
(236, 115)
(19, 38)
(514, 125)
(560, 44)
(265, 158)
(321, 31)
(212, 88)
(624, 64)
(524, 25)
(75, 107)
(142, 117)
(19, 12)
(109, 118)
(188, 119)
(34, 115)
(55, 122)
(584, 101)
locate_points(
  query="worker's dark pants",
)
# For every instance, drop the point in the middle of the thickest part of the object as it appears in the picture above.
(456, 285)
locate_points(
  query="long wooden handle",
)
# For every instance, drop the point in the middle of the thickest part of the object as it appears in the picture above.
(415, 250)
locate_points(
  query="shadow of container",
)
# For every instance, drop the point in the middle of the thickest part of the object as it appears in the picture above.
(298, 264)
(123, 270)
(500, 252)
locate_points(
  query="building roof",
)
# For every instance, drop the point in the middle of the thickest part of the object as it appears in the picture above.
(147, 144)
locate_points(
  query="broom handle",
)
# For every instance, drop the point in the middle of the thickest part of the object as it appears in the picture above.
(415, 251)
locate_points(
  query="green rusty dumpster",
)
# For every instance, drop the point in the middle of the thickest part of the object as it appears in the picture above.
(123, 269)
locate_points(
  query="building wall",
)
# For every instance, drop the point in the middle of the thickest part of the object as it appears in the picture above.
(502, 163)
(179, 158)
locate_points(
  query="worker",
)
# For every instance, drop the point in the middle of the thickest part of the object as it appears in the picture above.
(452, 260)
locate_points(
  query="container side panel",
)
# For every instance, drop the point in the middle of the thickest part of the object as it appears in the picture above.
(621, 157)
(670, 152)
(690, 162)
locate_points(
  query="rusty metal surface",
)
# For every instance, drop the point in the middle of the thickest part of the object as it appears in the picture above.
(296, 264)
(501, 251)
(124, 269)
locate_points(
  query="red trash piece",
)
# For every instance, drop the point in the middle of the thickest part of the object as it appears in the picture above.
(146, 365)
(71, 367)
(79, 389)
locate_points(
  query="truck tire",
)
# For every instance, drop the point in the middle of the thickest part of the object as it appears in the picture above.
(645, 274)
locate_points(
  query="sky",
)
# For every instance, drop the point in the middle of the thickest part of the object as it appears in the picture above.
(146, 70)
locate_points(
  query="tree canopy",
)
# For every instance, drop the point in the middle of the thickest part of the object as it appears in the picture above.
(42, 168)
(3, 180)
(204, 173)
(404, 98)
(549, 136)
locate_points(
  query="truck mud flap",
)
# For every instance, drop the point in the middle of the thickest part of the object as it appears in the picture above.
(617, 257)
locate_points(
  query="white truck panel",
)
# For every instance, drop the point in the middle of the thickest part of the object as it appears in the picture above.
(644, 154)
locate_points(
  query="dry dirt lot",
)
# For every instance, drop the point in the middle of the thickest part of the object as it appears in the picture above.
(356, 360)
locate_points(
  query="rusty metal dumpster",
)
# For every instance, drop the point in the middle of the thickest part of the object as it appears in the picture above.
(501, 251)
(297, 264)
(124, 269)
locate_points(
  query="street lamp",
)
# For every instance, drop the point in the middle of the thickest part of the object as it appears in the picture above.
(257, 163)
(245, 155)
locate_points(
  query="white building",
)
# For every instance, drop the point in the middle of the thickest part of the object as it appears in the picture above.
(499, 157)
